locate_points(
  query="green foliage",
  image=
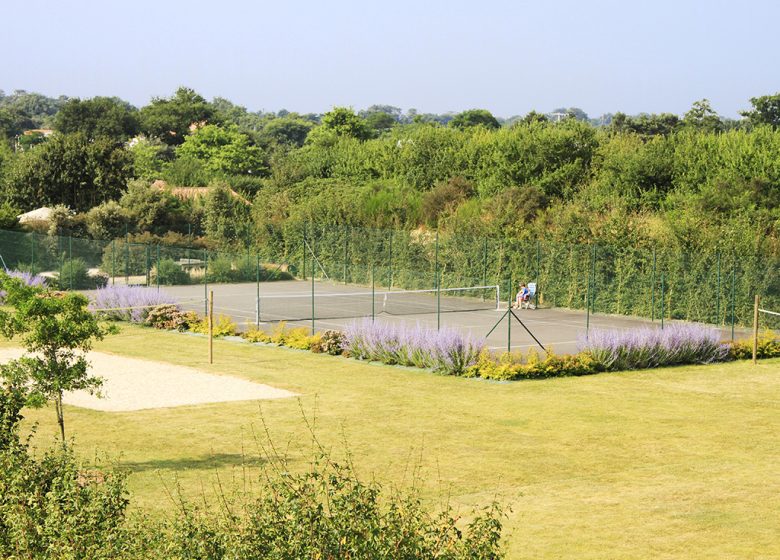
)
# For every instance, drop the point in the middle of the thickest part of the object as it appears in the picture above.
(475, 117)
(155, 210)
(510, 367)
(149, 159)
(107, 220)
(286, 130)
(169, 119)
(222, 151)
(8, 216)
(223, 326)
(108, 117)
(766, 111)
(74, 275)
(56, 330)
(226, 217)
(768, 347)
(68, 169)
(169, 273)
(340, 122)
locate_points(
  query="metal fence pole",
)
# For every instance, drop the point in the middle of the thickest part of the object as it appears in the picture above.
(373, 293)
(257, 295)
(113, 263)
(593, 280)
(312, 300)
(509, 317)
(436, 259)
(32, 253)
(346, 240)
(652, 289)
(733, 296)
(717, 291)
(206, 280)
(303, 247)
(70, 260)
(157, 276)
(663, 298)
(390, 262)
(484, 261)
(438, 301)
(538, 272)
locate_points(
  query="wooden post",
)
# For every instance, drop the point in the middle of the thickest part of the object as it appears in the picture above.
(755, 329)
(211, 326)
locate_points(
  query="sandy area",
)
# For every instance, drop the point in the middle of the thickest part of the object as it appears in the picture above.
(133, 384)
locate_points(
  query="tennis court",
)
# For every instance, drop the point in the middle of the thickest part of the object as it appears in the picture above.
(472, 310)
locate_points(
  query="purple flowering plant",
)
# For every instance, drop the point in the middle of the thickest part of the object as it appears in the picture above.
(444, 351)
(643, 348)
(128, 303)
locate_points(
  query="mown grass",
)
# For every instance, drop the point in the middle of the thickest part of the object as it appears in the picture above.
(671, 463)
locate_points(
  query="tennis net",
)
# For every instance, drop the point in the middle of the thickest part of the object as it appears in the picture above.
(298, 307)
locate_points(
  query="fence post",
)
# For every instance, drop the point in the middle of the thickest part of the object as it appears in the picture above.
(32, 253)
(373, 293)
(390, 262)
(127, 259)
(157, 276)
(509, 314)
(652, 289)
(538, 272)
(484, 260)
(663, 299)
(346, 239)
(755, 329)
(210, 313)
(257, 296)
(717, 299)
(70, 260)
(436, 259)
(206, 280)
(113, 263)
(438, 301)
(303, 247)
(593, 280)
(312, 299)
(733, 296)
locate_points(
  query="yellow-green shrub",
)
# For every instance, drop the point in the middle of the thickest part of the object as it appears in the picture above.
(768, 347)
(223, 326)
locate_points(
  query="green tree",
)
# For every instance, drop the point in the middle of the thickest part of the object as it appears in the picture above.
(702, 117)
(68, 169)
(226, 218)
(13, 122)
(56, 330)
(766, 111)
(287, 130)
(223, 150)
(341, 121)
(475, 117)
(98, 117)
(169, 119)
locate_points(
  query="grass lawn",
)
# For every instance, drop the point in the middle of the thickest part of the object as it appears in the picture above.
(672, 463)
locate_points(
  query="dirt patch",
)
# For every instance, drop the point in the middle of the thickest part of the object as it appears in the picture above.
(134, 384)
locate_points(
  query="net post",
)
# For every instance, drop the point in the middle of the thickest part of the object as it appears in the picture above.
(663, 298)
(652, 289)
(509, 317)
(755, 329)
(717, 298)
(206, 280)
(257, 294)
(211, 326)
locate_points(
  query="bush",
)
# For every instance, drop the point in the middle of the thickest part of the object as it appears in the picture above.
(768, 347)
(330, 342)
(256, 335)
(167, 317)
(170, 273)
(510, 367)
(649, 348)
(223, 326)
(74, 275)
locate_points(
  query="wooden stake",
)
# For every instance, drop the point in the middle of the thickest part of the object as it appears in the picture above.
(755, 329)
(211, 326)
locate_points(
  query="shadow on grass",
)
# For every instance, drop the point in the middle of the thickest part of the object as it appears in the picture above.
(185, 463)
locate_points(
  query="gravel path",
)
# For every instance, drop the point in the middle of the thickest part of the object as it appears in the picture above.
(133, 384)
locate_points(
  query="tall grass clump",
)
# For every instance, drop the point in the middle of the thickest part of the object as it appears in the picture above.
(649, 348)
(128, 303)
(444, 351)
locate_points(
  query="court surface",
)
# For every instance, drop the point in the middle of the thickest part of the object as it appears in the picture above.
(336, 305)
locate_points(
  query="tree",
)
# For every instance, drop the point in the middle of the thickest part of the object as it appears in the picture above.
(644, 124)
(475, 117)
(68, 169)
(223, 150)
(56, 330)
(702, 117)
(342, 121)
(766, 111)
(13, 122)
(98, 117)
(287, 130)
(169, 119)
(226, 218)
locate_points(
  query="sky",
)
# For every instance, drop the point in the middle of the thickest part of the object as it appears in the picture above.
(308, 56)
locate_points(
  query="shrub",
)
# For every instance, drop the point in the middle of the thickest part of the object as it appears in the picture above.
(509, 367)
(330, 342)
(223, 326)
(444, 351)
(648, 348)
(28, 278)
(768, 347)
(74, 275)
(256, 335)
(128, 303)
(170, 273)
(168, 317)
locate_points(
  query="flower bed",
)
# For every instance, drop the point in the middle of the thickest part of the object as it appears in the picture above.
(128, 303)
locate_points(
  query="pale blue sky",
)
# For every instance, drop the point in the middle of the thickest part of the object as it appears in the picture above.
(307, 56)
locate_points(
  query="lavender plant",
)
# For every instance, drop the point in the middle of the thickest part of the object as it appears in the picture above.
(445, 351)
(128, 303)
(29, 279)
(648, 348)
